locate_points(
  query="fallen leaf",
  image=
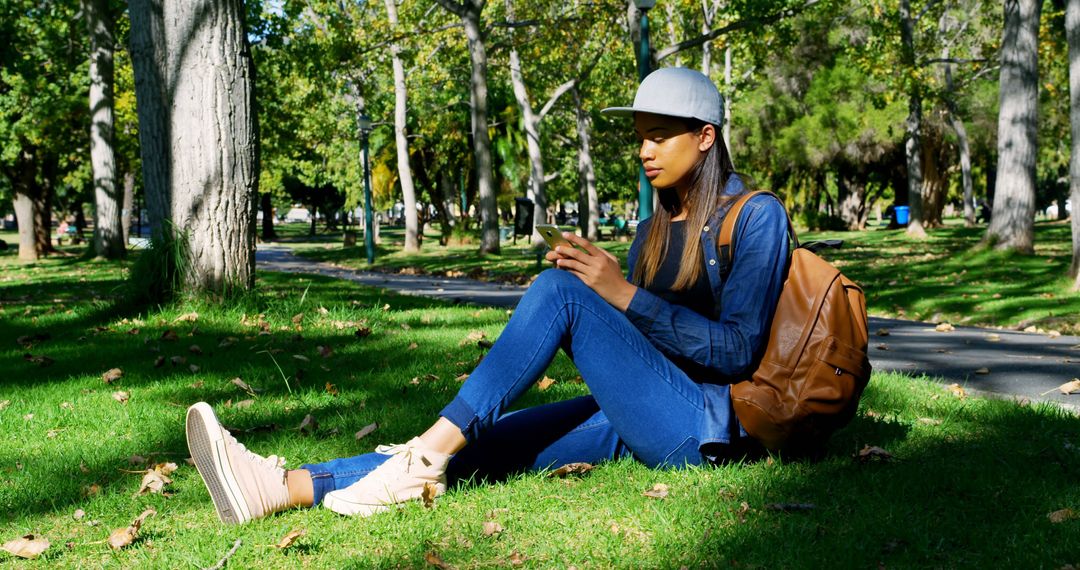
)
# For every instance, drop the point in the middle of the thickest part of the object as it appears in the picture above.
(52, 433)
(386, 307)
(944, 327)
(159, 362)
(545, 383)
(5, 404)
(462, 377)
(993, 337)
(169, 334)
(290, 539)
(882, 346)
(309, 425)
(325, 351)
(26, 546)
(428, 494)
(1062, 515)
(78, 514)
(136, 460)
(66, 406)
(431, 557)
(744, 508)
(242, 385)
(930, 421)
(658, 491)
(362, 332)
(187, 318)
(1031, 329)
(195, 349)
(872, 452)
(177, 360)
(122, 537)
(331, 389)
(517, 558)
(91, 489)
(121, 396)
(957, 390)
(194, 368)
(112, 375)
(155, 478)
(40, 360)
(1053, 334)
(883, 332)
(367, 430)
(492, 528)
(983, 370)
(473, 336)
(1071, 387)
(413, 346)
(298, 318)
(579, 468)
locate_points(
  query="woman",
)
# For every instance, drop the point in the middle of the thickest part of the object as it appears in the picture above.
(657, 351)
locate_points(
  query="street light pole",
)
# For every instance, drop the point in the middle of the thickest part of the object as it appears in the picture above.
(364, 122)
(645, 189)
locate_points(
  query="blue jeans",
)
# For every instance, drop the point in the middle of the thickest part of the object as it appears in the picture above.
(640, 404)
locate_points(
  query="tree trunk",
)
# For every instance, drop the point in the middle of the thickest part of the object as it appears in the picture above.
(408, 190)
(129, 205)
(108, 227)
(727, 98)
(852, 200)
(1012, 225)
(197, 73)
(1072, 32)
(913, 145)
(43, 201)
(24, 218)
(266, 202)
(489, 215)
(957, 125)
(532, 141)
(588, 202)
(935, 183)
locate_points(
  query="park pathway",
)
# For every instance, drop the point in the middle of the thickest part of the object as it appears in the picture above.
(986, 361)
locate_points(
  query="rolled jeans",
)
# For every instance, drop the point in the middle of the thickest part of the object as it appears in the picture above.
(641, 404)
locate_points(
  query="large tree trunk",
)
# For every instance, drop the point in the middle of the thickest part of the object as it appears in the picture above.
(108, 227)
(958, 127)
(913, 145)
(202, 80)
(43, 200)
(1012, 225)
(24, 217)
(1072, 32)
(469, 13)
(588, 202)
(852, 199)
(532, 141)
(408, 190)
(129, 205)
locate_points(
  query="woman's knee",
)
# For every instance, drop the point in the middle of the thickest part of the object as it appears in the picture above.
(555, 283)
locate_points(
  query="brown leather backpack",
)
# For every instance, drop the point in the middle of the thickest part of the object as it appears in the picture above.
(815, 367)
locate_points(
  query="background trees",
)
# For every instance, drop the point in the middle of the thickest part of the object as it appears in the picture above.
(845, 107)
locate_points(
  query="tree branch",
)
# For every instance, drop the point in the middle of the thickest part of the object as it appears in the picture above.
(741, 24)
(952, 60)
(455, 8)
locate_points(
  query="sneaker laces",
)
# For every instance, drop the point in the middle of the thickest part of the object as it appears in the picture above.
(399, 449)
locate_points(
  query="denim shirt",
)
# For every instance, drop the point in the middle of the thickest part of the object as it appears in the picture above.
(730, 345)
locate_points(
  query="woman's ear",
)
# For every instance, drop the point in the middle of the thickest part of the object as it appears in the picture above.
(707, 137)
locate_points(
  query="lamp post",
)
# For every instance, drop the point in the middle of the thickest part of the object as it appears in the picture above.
(364, 122)
(645, 189)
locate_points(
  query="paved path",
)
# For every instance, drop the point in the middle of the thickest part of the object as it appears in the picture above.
(997, 362)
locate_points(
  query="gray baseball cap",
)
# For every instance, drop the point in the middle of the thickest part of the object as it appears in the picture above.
(676, 92)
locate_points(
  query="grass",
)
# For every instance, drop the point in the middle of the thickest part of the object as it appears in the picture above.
(946, 277)
(970, 484)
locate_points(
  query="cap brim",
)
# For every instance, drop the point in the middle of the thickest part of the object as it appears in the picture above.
(629, 112)
(618, 111)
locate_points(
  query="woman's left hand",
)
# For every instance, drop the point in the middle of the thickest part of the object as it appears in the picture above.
(596, 268)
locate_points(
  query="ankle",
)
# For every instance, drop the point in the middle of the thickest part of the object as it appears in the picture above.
(301, 488)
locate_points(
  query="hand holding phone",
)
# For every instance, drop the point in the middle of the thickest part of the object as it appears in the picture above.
(552, 236)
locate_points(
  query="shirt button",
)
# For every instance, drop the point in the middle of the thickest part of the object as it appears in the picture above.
(712, 262)
(706, 228)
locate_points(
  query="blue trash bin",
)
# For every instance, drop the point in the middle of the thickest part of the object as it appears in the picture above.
(903, 214)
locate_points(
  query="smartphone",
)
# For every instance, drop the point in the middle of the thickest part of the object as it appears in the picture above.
(552, 235)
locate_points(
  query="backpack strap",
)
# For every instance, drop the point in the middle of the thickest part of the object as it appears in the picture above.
(725, 245)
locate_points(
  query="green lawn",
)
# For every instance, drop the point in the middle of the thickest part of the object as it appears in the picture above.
(946, 277)
(971, 482)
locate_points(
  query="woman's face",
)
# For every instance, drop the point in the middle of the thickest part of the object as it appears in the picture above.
(669, 149)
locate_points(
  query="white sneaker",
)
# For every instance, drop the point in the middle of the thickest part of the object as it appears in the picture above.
(401, 478)
(242, 484)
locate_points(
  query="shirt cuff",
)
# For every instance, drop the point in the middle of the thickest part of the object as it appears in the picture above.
(643, 309)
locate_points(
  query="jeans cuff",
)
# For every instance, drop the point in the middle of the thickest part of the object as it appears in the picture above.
(322, 481)
(462, 415)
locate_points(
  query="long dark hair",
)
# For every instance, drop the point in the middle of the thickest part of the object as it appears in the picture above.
(708, 179)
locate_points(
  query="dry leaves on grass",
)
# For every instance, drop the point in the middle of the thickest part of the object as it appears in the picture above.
(428, 494)
(473, 337)
(658, 491)
(367, 430)
(112, 375)
(122, 537)
(242, 385)
(871, 453)
(325, 351)
(579, 468)
(362, 332)
(492, 528)
(155, 478)
(944, 327)
(545, 383)
(956, 390)
(186, 318)
(40, 359)
(434, 559)
(1062, 515)
(290, 539)
(26, 546)
(309, 425)
(170, 335)
(195, 349)
(121, 396)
